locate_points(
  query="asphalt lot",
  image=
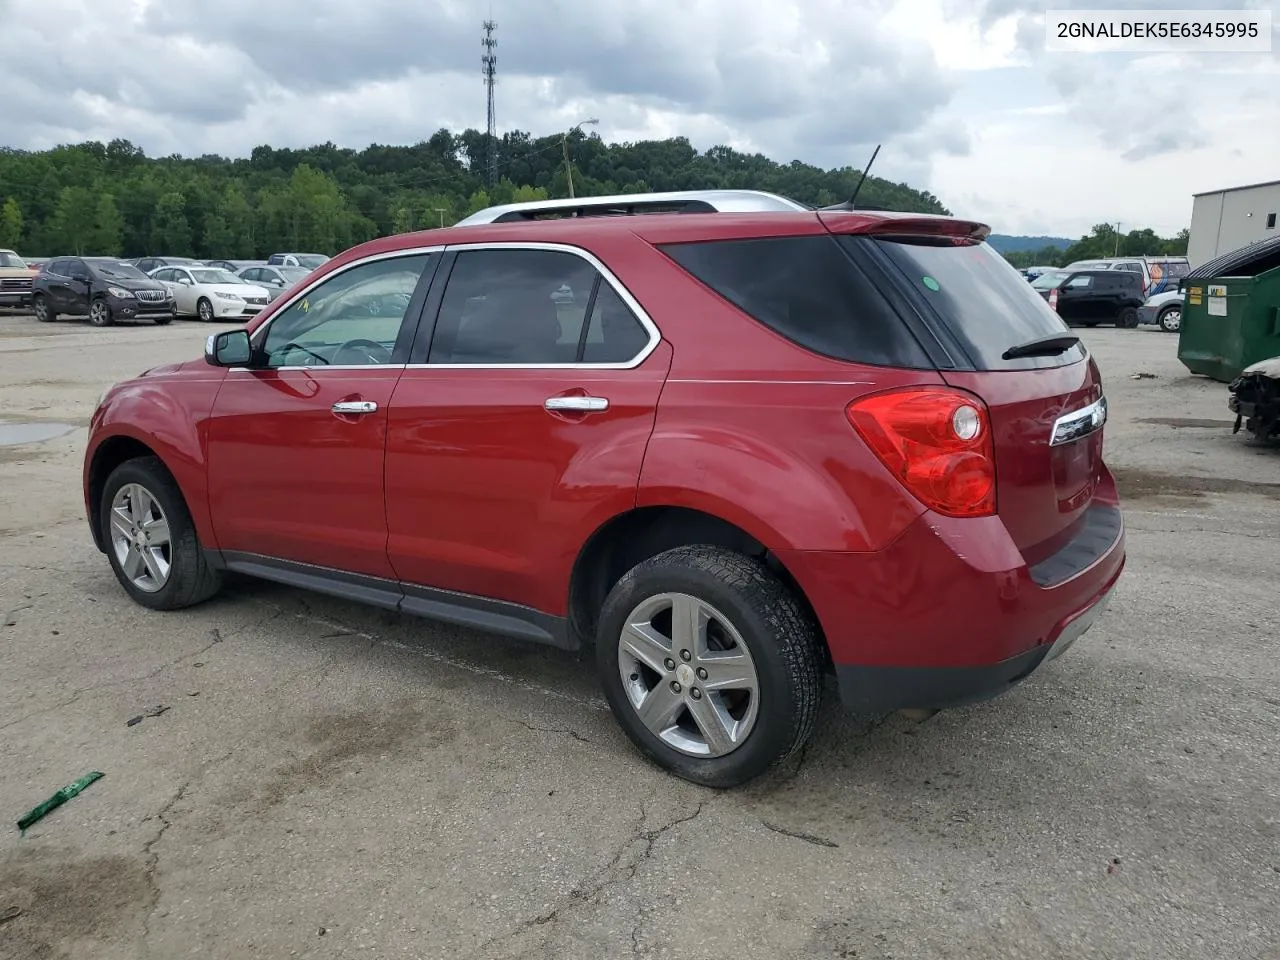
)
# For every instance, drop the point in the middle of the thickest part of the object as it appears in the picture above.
(333, 781)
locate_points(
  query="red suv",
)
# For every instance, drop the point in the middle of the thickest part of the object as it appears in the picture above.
(733, 444)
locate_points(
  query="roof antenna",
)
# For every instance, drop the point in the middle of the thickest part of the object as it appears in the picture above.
(863, 178)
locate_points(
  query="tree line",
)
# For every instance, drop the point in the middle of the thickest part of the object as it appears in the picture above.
(113, 200)
(1104, 241)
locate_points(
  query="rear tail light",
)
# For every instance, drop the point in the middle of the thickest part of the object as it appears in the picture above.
(937, 441)
(1053, 298)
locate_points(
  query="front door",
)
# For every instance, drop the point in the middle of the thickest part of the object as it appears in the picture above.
(296, 441)
(521, 425)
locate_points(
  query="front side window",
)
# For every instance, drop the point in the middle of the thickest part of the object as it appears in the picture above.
(521, 307)
(351, 319)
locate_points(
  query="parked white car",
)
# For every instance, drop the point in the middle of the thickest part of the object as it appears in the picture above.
(1164, 310)
(211, 293)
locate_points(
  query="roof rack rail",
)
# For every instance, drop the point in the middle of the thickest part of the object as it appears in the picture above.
(631, 204)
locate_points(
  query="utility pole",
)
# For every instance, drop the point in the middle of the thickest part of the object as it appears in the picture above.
(490, 70)
(441, 210)
(564, 143)
(1117, 253)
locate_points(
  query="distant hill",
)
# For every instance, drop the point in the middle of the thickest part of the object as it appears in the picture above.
(1004, 243)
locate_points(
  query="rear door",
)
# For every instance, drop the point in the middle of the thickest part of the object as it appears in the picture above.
(1078, 299)
(1046, 411)
(520, 425)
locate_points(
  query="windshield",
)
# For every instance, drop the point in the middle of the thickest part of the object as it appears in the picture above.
(217, 275)
(8, 259)
(117, 270)
(311, 260)
(1047, 281)
(981, 299)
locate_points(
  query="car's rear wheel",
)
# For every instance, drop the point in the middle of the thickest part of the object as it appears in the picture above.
(1128, 318)
(710, 664)
(204, 310)
(151, 540)
(100, 313)
(44, 313)
(1170, 319)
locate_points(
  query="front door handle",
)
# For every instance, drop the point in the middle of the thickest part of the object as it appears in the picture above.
(577, 404)
(354, 406)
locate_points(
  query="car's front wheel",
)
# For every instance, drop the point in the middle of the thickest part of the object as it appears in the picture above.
(710, 664)
(151, 540)
(100, 313)
(44, 313)
(204, 310)
(1170, 319)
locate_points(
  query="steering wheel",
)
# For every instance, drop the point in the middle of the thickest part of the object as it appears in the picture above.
(361, 351)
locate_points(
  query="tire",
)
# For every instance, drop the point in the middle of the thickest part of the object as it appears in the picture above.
(1128, 318)
(100, 313)
(189, 579)
(1170, 319)
(44, 313)
(164, 321)
(204, 310)
(782, 657)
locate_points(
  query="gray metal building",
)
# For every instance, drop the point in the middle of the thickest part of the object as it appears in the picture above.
(1226, 220)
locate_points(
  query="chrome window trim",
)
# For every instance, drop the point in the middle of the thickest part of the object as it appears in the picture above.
(1079, 423)
(261, 332)
(651, 328)
(655, 335)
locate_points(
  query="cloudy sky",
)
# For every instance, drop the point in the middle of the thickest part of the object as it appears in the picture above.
(963, 94)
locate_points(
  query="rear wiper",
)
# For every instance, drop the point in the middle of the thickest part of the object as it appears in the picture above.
(1042, 346)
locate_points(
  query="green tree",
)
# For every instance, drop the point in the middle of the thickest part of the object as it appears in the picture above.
(107, 235)
(11, 224)
(73, 220)
(233, 207)
(217, 236)
(170, 232)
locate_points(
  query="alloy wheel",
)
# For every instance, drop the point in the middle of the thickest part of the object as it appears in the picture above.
(688, 674)
(99, 314)
(140, 537)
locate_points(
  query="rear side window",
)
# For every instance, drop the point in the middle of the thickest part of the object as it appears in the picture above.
(808, 290)
(979, 297)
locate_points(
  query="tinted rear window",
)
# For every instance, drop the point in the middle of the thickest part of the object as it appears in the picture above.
(809, 291)
(979, 297)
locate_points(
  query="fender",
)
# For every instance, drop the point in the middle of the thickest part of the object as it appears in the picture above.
(715, 448)
(168, 412)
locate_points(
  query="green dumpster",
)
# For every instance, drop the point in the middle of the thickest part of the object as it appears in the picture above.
(1231, 312)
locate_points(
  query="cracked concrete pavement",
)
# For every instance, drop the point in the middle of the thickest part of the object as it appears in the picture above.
(335, 781)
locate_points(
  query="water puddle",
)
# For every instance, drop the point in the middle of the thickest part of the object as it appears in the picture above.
(12, 434)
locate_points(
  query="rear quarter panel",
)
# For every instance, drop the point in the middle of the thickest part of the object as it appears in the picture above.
(751, 427)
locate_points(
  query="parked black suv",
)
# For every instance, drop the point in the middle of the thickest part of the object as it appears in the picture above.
(1091, 297)
(106, 290)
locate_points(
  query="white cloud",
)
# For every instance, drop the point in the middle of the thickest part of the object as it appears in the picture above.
(962, 94)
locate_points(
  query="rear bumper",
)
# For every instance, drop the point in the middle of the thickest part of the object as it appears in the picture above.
(873, 689)
(951, 613)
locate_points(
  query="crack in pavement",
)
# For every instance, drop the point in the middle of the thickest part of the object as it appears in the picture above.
(799, 835)
(617, 871)
(218, 638)
(153, 861)
(564, 732)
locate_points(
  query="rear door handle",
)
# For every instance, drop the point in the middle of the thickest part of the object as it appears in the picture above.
(354, 406)
(577, 404)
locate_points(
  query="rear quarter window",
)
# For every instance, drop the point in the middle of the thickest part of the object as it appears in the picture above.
(978, 297)
(809, 291)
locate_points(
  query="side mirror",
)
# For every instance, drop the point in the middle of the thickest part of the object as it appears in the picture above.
(230, 348)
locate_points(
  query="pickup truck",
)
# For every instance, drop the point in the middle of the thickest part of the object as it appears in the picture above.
(15, 280)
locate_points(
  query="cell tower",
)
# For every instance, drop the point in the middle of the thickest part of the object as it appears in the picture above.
(490, 62)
